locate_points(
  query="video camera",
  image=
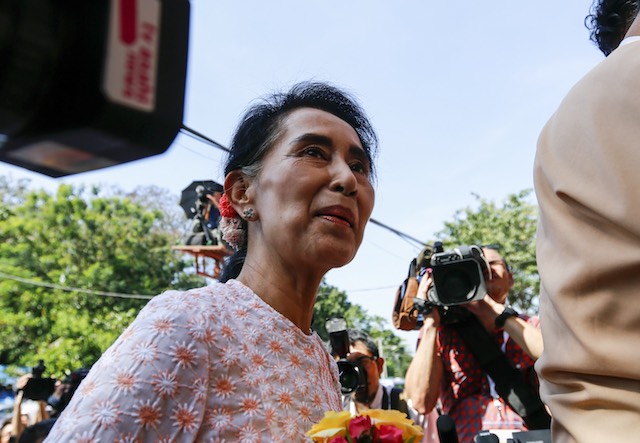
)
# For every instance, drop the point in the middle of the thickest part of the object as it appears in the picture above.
(458, 278)
(352, 376)
(38, 387)
(458, 275)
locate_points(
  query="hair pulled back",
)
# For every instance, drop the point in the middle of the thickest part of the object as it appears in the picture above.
(262, 124)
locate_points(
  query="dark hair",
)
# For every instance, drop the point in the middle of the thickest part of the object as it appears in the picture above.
(609, 21)
(262, 122)
(262, 125)
(359, 336)
(496, 247)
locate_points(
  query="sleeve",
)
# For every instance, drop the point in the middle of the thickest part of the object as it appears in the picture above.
(150, 385)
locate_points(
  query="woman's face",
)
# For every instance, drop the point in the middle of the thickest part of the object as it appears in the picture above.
(313, 195)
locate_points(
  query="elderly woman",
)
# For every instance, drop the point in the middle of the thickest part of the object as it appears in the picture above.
(237, 360)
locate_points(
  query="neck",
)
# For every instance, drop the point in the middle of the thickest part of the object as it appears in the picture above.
(366, 403)
(291, 294)
(634, 29)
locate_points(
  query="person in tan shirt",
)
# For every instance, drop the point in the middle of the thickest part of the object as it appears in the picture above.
(588, 251)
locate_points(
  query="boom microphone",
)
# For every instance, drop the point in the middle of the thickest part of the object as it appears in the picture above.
(446, 429)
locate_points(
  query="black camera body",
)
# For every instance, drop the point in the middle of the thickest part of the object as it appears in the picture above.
(458, 278)
(352, 376)
(39, 387)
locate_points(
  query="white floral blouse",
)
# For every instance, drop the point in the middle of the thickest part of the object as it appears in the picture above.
(211, 364)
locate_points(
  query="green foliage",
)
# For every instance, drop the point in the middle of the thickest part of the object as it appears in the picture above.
(120, 243)
(331, 302)
(79, 239)
(512, 227)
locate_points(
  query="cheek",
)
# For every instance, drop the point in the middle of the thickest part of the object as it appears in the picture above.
(371, 374)
(367, 201)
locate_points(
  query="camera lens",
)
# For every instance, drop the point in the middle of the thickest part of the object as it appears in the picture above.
(458, 276)
(350, 376)
(458, 282)
(458, 285)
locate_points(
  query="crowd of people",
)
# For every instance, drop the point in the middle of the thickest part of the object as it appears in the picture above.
(238, 361)
(31, 412)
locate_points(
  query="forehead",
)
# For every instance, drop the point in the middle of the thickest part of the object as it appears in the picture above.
(316, 121)
(360, 347)
(492, 255)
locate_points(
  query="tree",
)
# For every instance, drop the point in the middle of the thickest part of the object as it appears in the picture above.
(331, 302)
(106, 240)
(81, 239)
(512, 227)
(12, 191)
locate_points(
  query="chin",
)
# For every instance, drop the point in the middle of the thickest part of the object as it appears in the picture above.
(338, 264)
(336, 255)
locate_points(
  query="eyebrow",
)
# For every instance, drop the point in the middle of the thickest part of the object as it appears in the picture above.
(354, 150)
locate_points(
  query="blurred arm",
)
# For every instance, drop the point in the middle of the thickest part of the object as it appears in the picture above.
(424, 375)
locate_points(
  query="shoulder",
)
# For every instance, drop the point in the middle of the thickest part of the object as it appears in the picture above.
(191, 316)
(597, 86)
(198, 300)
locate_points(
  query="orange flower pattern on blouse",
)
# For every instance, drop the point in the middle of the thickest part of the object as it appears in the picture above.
(214, 364)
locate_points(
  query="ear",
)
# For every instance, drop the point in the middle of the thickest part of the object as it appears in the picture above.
(236, 185)
(380, 362)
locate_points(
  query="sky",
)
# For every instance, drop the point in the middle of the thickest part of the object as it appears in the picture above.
(458, 92)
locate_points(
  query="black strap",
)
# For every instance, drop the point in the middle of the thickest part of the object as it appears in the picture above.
(386, 404)
(510, 383)
(395, 402)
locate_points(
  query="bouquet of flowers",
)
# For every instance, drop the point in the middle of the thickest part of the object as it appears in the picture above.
(372, 426)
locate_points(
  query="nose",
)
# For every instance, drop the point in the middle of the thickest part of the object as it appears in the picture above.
(344, 180)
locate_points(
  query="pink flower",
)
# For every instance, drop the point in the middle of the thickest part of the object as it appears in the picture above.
(358, 426)
(232, 232)
(226, 210)
(388, 434)
(338, 439)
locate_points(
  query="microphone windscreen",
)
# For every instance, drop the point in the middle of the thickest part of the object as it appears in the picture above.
(446, 429)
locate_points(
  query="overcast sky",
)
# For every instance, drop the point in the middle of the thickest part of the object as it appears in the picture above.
(458, 92)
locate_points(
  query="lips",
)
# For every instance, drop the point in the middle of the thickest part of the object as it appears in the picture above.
(338, 214)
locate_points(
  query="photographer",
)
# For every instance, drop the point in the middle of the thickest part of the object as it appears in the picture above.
(28, 408)
(206, 219)
(444, 369)
(363, 352)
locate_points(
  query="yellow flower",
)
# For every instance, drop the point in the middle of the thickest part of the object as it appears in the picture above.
(332, 425)
(395, 418)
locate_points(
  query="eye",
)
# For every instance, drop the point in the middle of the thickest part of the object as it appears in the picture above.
(314, 151)
(359, 167)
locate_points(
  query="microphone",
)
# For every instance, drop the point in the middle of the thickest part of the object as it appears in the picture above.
(446, 429)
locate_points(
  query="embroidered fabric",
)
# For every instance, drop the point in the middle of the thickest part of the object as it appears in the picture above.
(207, 365)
